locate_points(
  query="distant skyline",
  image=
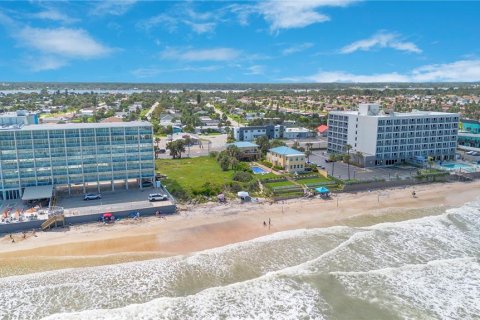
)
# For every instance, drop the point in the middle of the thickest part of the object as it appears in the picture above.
(243, 42)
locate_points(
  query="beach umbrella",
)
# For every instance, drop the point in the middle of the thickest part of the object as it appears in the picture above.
(322, 190)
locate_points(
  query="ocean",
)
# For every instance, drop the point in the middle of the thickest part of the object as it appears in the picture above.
(426, 268)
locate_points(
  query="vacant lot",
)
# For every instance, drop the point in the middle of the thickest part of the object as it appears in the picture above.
(193, 175)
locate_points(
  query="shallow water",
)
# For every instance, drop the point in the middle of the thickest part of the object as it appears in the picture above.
(425, 268)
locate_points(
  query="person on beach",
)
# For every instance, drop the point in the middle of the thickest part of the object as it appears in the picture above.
(34, 233)
(11, 237)
(24, 235)
(269, 223)
(414, 194)
(264, 224)
(157, 214)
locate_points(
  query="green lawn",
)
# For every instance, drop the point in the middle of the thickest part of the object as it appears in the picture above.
(191, 174)
(319, 179)
(280, 184)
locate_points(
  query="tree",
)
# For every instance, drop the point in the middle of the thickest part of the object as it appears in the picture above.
(176, 148)
(157, 141)
(224, 163)
(263, 144)
(199, 98)
(233, 151)
(346, 158)
(359, 157)
(332, 157)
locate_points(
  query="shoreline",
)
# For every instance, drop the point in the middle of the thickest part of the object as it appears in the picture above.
(209, 226)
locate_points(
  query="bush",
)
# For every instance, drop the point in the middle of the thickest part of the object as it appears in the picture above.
(213, 154)
(277, 168)
(242, 176)
(267, 164)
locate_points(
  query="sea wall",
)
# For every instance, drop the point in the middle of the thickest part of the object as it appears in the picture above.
(86, 218)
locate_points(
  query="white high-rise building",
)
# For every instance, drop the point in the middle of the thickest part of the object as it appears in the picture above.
(388, 138)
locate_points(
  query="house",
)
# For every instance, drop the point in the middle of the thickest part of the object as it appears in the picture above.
(248, 151)
(207, 121)
(86, 112)
(112, 119)
(298, 133)
(289, 159)
(322, 130)
(168, 120)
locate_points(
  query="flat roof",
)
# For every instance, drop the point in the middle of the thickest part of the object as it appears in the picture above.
(56, 126)
(243, 144)
(37, 192)
(397, 114)
(286, 151)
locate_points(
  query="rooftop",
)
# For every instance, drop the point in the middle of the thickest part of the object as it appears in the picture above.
(398, 114)
(76, 126)
(243, 144)
(286, 151)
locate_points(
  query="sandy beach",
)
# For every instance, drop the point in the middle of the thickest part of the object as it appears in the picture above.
(212, 225)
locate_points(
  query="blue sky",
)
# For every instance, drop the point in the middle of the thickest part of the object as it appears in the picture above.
(247, 41)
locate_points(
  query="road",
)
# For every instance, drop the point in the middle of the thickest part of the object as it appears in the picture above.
(233, 122)
(149, 113)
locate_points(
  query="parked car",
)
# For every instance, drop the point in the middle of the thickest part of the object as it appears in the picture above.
(92, 196)
(162, 150)
(157, 197)
(147, 184)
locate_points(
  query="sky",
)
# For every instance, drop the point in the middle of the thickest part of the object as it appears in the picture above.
(243, 42)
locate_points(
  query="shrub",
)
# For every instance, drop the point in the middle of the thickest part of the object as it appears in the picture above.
(242, 176)
(213, 154)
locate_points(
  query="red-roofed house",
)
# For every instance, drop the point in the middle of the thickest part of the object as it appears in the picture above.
(322, 130)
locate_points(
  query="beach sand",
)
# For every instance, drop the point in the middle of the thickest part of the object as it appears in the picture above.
(212, 225)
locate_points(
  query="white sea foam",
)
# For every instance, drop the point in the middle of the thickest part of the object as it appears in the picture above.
(266, 298)
(443, 289)
(284, 270)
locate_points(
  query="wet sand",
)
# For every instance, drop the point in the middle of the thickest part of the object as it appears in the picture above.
(211, 225)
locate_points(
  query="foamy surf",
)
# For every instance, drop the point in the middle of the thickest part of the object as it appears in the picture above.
(390, 270)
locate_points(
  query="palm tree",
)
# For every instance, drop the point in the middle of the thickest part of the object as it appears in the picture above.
(308, 152)
(157, 141)
(347, 148)
(359, 156)
(332, 157)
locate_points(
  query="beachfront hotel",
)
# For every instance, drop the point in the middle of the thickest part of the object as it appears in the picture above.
(80, 154)
(388, 138)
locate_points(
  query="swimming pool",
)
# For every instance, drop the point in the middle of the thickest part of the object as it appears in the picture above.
(258, 170)
(457, 166)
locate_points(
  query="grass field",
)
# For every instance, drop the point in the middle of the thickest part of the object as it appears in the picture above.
(191, 174)
(319, 180)
(280, 184)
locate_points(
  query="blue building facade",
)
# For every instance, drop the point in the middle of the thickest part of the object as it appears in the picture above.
(74, 154)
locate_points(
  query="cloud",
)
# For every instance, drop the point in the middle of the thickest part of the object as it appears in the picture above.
(185, 15)
(381, 40)
(199, 28)
(297, 48)
(45, 63)
(213, 54)
(54, 15)
(458, 71)
(112, 7)
(281, 14)
(76, 43)
(255, 70)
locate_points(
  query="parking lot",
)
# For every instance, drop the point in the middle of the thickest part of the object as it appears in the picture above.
(340, 169)
(111, 201)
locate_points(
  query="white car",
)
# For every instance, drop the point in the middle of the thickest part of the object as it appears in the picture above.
(157, 197)
(92, 196)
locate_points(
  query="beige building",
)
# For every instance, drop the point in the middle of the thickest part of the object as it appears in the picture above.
(289, 159)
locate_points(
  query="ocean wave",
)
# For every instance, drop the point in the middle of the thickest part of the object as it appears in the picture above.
(298, 266)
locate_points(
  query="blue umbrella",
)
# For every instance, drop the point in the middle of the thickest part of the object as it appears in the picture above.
(322, 190)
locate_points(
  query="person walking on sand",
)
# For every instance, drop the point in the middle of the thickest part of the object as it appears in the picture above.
(269, 223)
(264, 224)
(11, 237)
(414, 194)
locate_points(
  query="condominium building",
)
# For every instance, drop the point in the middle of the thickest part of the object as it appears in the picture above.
(289, 159)
(74, 155)
(388, 138)
(19, 117)
(253, 132)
